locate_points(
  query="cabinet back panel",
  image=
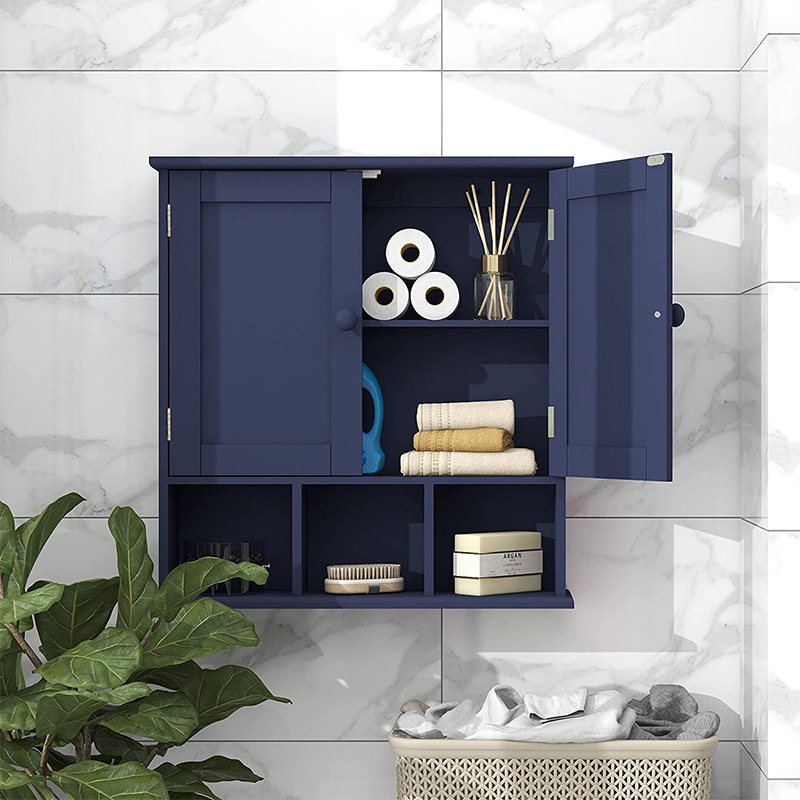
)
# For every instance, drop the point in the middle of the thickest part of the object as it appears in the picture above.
(437, 206)
(261, 515)
(364, 525)
(266, 324)
(477, 509)
(419, 365)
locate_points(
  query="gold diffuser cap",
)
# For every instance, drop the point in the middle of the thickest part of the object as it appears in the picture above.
(494, 263)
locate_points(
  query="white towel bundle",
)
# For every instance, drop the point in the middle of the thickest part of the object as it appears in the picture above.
(514, 461)
(463, 416)
(504, 715)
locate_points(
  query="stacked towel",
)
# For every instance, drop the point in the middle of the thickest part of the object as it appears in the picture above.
(471, 440)
(467, 439)
(514, 461)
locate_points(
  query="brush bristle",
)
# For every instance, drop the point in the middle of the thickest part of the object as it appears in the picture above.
(363, 572)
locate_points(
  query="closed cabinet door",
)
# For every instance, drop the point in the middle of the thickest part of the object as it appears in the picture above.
(264, 322)
(611, 320)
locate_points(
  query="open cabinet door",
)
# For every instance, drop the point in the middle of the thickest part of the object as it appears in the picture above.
(611, 320)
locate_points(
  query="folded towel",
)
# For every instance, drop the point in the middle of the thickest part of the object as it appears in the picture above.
(472, 440)
(463, 416)
(504, 716)
(670, 712)
(514, 461)
(555, 706)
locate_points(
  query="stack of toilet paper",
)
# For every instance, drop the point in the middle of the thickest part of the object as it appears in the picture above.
(433, 295)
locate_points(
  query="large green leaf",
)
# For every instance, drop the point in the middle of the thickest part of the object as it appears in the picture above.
(11, 679)
(93, 780)
(18, 711)
(104, 662)
(81, 613)
(25, 605)
(14, 783)
(219, 768)
(217, 693)
(34, 533)
(20, 753)
(187, 581)
(200, 629)
(180, 781)
(174, 677)
(8, 540)
(65, 713)
(120, 748)
(162, 717)
(136, 585)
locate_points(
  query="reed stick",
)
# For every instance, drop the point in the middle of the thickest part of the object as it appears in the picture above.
(478, 223)
(494, 223)
(503, 224)
(516, 221)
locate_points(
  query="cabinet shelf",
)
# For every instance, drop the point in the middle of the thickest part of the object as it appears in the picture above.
(456, 323)
(410, 600)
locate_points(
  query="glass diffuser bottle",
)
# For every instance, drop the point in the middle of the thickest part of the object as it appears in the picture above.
(494, 289)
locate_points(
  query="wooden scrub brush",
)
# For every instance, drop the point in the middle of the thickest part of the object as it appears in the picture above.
(363, 579)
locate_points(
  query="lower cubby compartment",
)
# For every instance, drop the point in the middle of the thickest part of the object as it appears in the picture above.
(359, 524)
(478, 509)
(258, 515)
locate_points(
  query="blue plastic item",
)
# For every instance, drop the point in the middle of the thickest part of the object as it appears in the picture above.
(372, 457)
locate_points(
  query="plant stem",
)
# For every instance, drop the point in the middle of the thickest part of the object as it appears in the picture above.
(18, 638)
(83, 745)
(48, 743)
(150, 631)
(150, 756)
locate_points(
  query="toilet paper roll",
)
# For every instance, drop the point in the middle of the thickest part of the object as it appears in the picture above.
(398, 247)
(388, 287)
(421, 296)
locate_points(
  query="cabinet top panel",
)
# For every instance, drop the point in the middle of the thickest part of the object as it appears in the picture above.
(438, 164)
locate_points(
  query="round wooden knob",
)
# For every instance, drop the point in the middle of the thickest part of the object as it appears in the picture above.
(346, 319)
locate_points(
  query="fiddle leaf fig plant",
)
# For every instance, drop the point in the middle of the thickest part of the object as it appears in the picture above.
(106, 701)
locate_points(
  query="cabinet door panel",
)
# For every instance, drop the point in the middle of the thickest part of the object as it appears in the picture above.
(611, 278)
(262, 327)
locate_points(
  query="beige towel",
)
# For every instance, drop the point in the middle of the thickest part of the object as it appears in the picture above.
(461, 416)
(474, 440)
(514, 461)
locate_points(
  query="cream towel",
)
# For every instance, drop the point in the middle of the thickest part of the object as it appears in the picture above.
(443, 416)
(472, 440)
(514, 461)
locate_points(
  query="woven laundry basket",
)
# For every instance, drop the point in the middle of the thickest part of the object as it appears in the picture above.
(441, 769)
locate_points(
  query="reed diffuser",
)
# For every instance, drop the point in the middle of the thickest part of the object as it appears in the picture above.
(494, 285)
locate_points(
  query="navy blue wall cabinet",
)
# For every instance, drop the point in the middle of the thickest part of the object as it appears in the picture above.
(261, 265)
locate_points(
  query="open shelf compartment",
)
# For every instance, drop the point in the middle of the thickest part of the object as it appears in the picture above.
(436, 204)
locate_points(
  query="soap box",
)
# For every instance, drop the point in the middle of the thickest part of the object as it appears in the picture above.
(501, 554)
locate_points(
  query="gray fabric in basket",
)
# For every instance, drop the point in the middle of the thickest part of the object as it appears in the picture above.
(670, 712)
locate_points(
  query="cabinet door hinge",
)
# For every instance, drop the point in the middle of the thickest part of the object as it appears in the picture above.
(551, 422)
(169, 424)
(551, 224)
(169, 220)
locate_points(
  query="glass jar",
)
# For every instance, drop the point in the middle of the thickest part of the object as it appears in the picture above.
(494, 289)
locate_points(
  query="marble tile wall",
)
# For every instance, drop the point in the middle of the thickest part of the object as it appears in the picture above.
(89, 89)
(770, 172)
